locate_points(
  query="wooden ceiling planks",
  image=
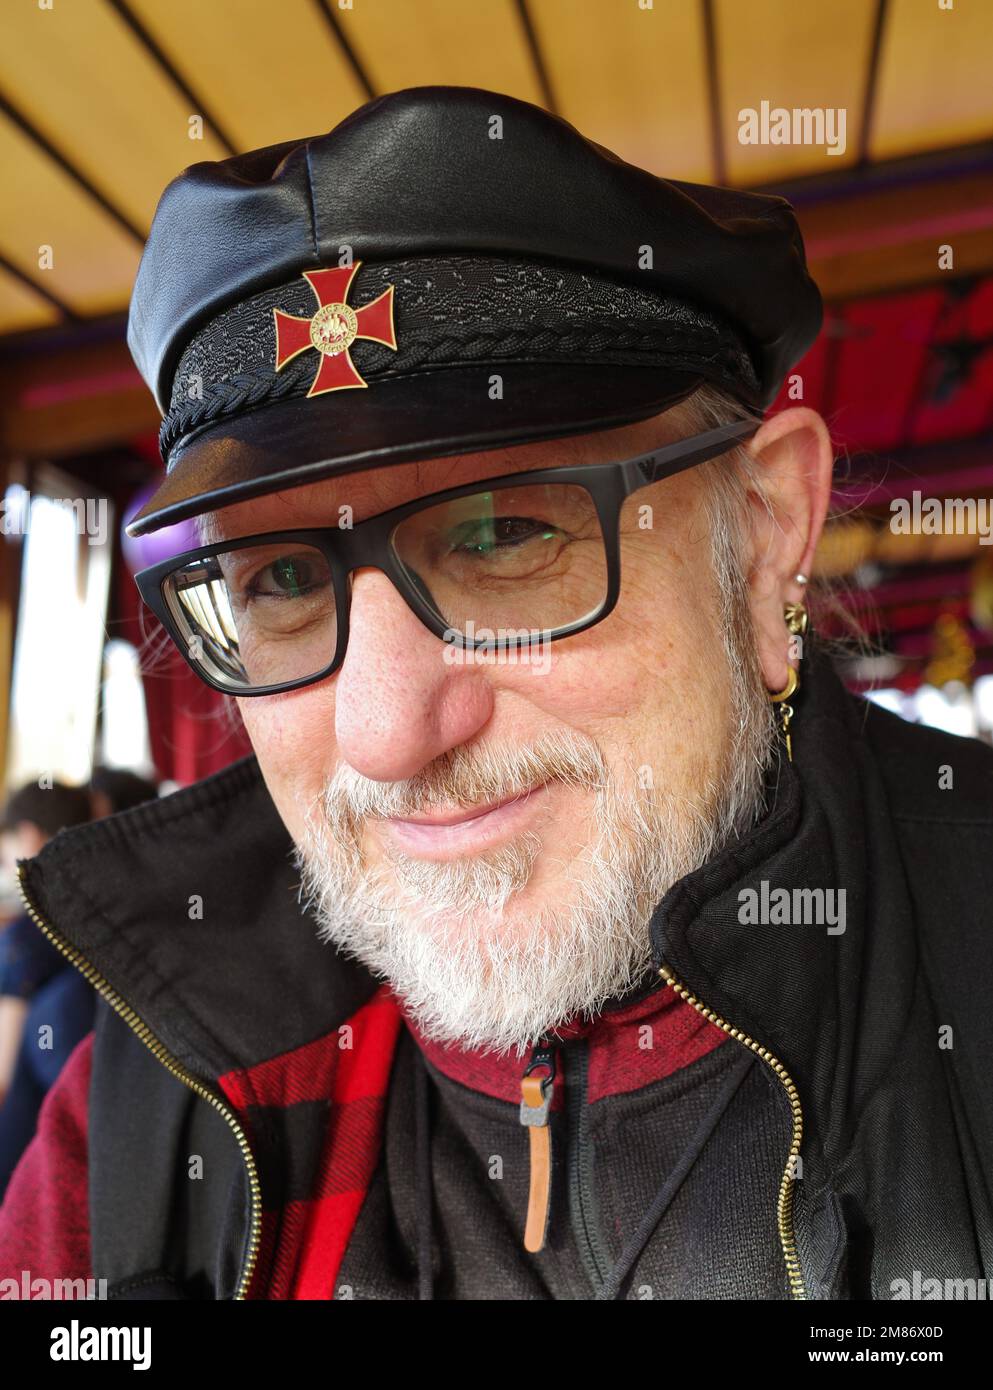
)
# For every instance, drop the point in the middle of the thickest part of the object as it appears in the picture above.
(272, 72)
(80, 77)
(102, 92)
(479, 44)
(21, 307)
(934, 88)
(93, 259)
(791, 56)
(633, 79)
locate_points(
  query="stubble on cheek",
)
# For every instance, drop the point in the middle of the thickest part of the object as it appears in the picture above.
(292, 740)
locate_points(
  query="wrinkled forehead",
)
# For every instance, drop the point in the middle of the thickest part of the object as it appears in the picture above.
(375, 490)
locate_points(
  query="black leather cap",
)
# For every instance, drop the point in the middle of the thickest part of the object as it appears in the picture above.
(520, 282)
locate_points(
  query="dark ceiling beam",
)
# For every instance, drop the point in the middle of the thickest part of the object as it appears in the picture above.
(39, 289)
(923, 459)
(915, 584)
(87, 394)
(537, 57)
(327, 13)
(75, 333)
(713, 76)
(871, 81)
(963, 466)
(197, 104)
(864, 243)
(66, 165)
(933, 166)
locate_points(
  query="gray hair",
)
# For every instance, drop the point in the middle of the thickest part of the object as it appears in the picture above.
(729, 479)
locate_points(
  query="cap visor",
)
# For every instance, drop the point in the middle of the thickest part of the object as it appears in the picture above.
(398, 420)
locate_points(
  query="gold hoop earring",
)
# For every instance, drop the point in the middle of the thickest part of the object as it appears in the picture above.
(796, 619)
(786, 712)
(788, 689)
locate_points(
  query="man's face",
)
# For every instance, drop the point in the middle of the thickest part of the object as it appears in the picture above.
(492, 834)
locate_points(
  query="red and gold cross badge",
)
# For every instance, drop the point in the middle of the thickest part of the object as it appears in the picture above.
(334, 328)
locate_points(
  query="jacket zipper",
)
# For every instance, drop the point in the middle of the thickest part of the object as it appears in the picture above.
(536, 1104)
(173, 1065)
(784, 1204)
(581, 1199)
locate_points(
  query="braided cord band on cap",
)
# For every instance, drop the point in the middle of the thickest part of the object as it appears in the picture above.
(448, 312)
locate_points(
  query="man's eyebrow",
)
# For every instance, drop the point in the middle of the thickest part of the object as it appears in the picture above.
(207, 528)
(209, 531)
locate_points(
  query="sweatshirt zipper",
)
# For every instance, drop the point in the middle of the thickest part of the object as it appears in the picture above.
(582, 1204)
(784, 1203)
(173, 1065)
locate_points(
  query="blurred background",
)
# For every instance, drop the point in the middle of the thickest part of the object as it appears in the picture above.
(102, 102)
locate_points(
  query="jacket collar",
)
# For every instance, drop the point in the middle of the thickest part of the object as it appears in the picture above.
(186, 911)
(619, 1061)
(802, 990)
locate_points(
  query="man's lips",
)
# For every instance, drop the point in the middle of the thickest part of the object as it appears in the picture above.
(463, 830)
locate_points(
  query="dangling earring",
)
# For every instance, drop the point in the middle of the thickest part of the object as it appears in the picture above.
(796, 618)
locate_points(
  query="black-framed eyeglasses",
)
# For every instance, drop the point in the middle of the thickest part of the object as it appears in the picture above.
(496, 565)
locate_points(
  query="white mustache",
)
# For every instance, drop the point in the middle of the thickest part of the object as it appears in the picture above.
(464, 777)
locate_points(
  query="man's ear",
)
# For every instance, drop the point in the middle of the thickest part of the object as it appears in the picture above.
(795, 460)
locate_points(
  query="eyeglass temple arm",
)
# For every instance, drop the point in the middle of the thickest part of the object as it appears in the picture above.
(674, 458)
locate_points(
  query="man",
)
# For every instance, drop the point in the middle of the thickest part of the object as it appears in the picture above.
(114, 789)
(567, 936)
(46, 1007)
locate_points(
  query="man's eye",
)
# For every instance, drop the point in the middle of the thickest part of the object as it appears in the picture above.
(290, 576)
(482, 537)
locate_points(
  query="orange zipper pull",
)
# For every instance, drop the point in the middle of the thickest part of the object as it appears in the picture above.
(536, 1102)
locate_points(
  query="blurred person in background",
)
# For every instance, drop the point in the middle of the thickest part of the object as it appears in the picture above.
(46, 1006)
(39, 988)
(114, 789)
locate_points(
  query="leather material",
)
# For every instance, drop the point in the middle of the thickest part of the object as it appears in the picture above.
(300, 441)
(449, 312)
(540, 1147)
(417, 174)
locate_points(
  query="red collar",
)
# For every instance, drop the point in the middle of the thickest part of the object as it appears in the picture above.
(629, 1047)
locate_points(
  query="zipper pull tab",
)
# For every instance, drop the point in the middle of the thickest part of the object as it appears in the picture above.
(536, 1102)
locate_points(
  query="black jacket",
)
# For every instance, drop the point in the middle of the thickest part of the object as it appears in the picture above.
(876, 1035)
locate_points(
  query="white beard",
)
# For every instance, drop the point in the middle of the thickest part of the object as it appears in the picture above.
(438, 931)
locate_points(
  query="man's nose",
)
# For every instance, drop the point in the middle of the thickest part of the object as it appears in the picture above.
(398, 702)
